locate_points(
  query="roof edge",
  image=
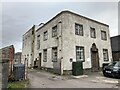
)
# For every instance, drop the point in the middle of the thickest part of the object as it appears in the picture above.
(67, 11)
(115, 36)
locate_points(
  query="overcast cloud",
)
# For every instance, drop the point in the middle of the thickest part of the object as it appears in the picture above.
(17, 18)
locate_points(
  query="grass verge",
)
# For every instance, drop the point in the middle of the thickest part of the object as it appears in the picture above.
(18, 84)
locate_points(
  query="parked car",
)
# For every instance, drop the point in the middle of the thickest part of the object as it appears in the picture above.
(112, 70)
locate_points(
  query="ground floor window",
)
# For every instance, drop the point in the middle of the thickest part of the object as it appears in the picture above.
(45, 55)
(80, 53)
(54, 54)
(105, 55)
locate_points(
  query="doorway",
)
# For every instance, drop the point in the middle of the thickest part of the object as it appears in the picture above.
(94, 58)
(39, 62)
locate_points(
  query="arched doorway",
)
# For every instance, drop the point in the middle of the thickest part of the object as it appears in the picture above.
(94, 58)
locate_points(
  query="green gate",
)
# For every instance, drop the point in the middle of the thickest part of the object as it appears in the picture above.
(77, 68)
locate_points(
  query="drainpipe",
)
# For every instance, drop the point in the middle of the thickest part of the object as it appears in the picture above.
(60, 46)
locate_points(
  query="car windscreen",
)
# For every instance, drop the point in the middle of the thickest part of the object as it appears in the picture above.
(112, 64)
(117, 64)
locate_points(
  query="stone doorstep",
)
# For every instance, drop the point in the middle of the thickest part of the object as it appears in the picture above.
(80, 76)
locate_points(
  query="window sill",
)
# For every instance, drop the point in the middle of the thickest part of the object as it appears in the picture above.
(104, 39)
(54, 60)
(93, 37)
(79, 35)
(44, 61)
(106, 60)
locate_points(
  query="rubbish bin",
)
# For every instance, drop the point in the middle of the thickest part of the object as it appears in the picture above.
(19, 71)
(77, 68)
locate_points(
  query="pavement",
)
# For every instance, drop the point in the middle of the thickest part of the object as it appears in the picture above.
(43, 79)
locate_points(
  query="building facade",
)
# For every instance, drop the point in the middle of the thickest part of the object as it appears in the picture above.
(28, 46)
(69, 37)
(17, 57)
(115, 44)
(7, 53)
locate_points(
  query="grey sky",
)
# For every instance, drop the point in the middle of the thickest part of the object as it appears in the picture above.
(17, 18)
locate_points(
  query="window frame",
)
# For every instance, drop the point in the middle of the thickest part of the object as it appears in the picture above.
(54, 31)
(83, 57)
(79, 29)
(32, 32)
(45, 35)
(53, 52)
(92, 32)
(103, 37)
(104, 58)
(38, 42)
(44, 55)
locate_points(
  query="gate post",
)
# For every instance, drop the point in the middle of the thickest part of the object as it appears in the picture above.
(4, 63)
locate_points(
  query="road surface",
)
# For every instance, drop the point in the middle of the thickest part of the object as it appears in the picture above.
(43, 79)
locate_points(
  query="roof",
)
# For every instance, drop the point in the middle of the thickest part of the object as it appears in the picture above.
(29, 30)
(11, 46)
(34, 27)
(115, 36)
(73, 14)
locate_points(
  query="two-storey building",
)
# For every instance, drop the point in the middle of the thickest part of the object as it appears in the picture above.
(69, 37)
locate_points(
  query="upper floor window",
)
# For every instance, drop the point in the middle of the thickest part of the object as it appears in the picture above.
(92, 32)
(32, 32)
(38, 42)
(54, 31)
(54, 54)
(105, 55)
(80, 53)
(45, 55)
(45, 35)
(103, 35)
(79, 29)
